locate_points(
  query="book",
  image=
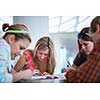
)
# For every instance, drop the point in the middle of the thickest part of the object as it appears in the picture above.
(60, 76)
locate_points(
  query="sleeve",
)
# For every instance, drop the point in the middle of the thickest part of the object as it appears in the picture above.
(87, 72)
(5, 77)
(80, 59)
(29, 60)
(76, 60)
(90, 70)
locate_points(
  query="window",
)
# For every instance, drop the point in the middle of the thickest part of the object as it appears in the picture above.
(5, 19)
(68, 23)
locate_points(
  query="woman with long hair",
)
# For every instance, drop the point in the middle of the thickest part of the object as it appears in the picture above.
(41, 58)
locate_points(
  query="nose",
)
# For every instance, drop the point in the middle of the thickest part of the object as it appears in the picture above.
(42, 56)
(83, 47)
(21, 52)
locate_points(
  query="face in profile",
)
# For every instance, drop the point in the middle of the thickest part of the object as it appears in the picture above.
(18, 46)
(87, 46)
(42, 55)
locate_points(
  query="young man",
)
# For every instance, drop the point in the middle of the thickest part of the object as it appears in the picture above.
(90, 70)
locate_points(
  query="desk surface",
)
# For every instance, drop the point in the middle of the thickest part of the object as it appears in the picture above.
(42, 81)
(45, 79)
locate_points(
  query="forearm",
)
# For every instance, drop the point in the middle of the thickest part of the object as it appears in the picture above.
(26, 74)
(20, 64)
(17, 76)
(71, 74)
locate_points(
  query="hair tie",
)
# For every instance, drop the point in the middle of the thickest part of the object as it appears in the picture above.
(17, 31)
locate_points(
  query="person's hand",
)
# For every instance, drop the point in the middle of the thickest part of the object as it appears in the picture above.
(26, 74)
(70, 72)
(13, 71)
(45, 73)
(36, 72)
(67, 70)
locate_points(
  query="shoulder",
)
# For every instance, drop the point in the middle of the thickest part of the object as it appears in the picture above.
(97, 45)
(4, 44)
(4, 49)
(28, 52)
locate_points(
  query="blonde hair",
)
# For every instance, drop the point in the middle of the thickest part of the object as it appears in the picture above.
(45, 43)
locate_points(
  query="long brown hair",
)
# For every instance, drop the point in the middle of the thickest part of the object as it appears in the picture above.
(84, 35)
(93, 24)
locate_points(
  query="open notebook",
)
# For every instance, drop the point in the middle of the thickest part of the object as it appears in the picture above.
(55, 76)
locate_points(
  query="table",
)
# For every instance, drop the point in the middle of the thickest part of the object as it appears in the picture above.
(60, 78)
(42, 81)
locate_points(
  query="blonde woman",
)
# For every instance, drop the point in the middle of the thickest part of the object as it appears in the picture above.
(42, 58)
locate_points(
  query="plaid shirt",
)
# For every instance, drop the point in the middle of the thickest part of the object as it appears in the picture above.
(88, 71)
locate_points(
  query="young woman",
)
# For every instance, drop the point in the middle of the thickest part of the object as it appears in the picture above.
(85, 44)
(42, 58)
(16, 38)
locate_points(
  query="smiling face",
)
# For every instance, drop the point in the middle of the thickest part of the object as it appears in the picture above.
(87, 46)
(42, 55)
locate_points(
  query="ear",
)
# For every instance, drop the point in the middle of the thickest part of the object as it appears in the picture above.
(98, 28)
(11, 39)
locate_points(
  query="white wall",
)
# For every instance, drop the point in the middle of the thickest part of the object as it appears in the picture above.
(38, 25)
(66, 48)
(5, 19)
